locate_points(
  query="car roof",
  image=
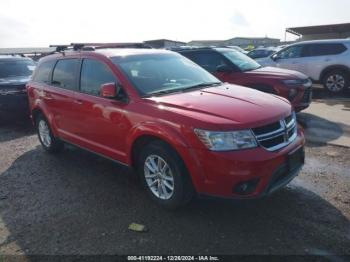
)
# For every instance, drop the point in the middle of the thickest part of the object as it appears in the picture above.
(324, 41)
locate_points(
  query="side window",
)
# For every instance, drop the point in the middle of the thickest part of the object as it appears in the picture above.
(325, 49)
(290, 52)
(42, 73)
(64, 74)
(208, 60)
(93, 75)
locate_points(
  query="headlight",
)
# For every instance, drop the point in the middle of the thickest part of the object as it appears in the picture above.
(225, 141)
(298, 82)
(293, 82)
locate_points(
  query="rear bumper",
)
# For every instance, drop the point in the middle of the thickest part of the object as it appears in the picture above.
(220, 174)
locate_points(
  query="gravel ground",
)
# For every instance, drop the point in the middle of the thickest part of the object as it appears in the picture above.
(78, 203)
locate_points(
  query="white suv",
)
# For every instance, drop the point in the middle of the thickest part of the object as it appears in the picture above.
(324, 61)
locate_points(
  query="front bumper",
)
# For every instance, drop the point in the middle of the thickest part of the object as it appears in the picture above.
(303, 99)
(14, 103)
(218, 174)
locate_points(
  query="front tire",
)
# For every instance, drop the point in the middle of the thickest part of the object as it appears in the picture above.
(336, 81)
(164, 175)
(50, 143)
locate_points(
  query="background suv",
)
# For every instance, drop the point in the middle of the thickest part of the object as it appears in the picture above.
(15, 72)
(324, 61)
(183, 130)
(234, 67)
(262, 52)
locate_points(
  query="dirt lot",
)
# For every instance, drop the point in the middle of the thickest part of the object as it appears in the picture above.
(78, 203)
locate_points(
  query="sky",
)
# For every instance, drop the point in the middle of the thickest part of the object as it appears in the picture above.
(39, 23)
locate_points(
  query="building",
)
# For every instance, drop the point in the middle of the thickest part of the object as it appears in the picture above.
(164, 43)
(321, 31)
(239, 41)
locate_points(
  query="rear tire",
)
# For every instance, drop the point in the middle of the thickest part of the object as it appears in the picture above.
(164, 175)
(336, 81)
(50, 143)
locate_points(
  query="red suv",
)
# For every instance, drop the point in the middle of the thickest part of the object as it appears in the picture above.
(183, 130)
(234, 67)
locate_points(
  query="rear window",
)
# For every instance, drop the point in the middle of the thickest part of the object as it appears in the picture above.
(324, 49)
(42, 74)
(64, 74)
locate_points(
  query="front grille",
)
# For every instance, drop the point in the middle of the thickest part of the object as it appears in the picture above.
(278, 134)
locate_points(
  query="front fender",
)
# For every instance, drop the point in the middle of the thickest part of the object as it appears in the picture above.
(164, 132)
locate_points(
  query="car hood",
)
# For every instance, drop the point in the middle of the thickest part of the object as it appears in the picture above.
(16, 80)
(276, 73)
(226, 105)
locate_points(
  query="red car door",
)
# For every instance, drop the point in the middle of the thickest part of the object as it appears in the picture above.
(60, 96)
(101, 124)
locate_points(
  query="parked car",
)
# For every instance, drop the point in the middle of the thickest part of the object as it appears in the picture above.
(324, 61)
(261, 52)
(234, 67)
(237, 48)
(15, 72)
(183, 130)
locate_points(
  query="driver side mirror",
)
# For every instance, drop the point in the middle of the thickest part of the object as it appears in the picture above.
(223, 69)
(274, 57)
(109, 90)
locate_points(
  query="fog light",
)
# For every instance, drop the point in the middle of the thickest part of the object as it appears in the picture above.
(246, 187)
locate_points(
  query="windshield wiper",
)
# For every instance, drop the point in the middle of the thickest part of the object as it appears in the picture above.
(163, 92)
(201, 85)
(168, 91)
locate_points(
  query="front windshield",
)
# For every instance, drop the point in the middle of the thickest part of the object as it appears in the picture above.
(242, 61)
(14, 68)
(161, 73)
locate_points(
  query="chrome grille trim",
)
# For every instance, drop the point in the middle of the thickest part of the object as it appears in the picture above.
(286, 125)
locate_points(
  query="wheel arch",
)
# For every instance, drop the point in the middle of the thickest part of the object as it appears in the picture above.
(142, 135)
(328, 69)
(36, 111)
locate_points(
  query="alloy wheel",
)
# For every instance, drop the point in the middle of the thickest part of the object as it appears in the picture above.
(335, 83)
(44, 133)
(159, 177)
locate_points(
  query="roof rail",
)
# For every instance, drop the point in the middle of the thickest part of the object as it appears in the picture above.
(94, 46)
(60, 48)
(110, 45)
